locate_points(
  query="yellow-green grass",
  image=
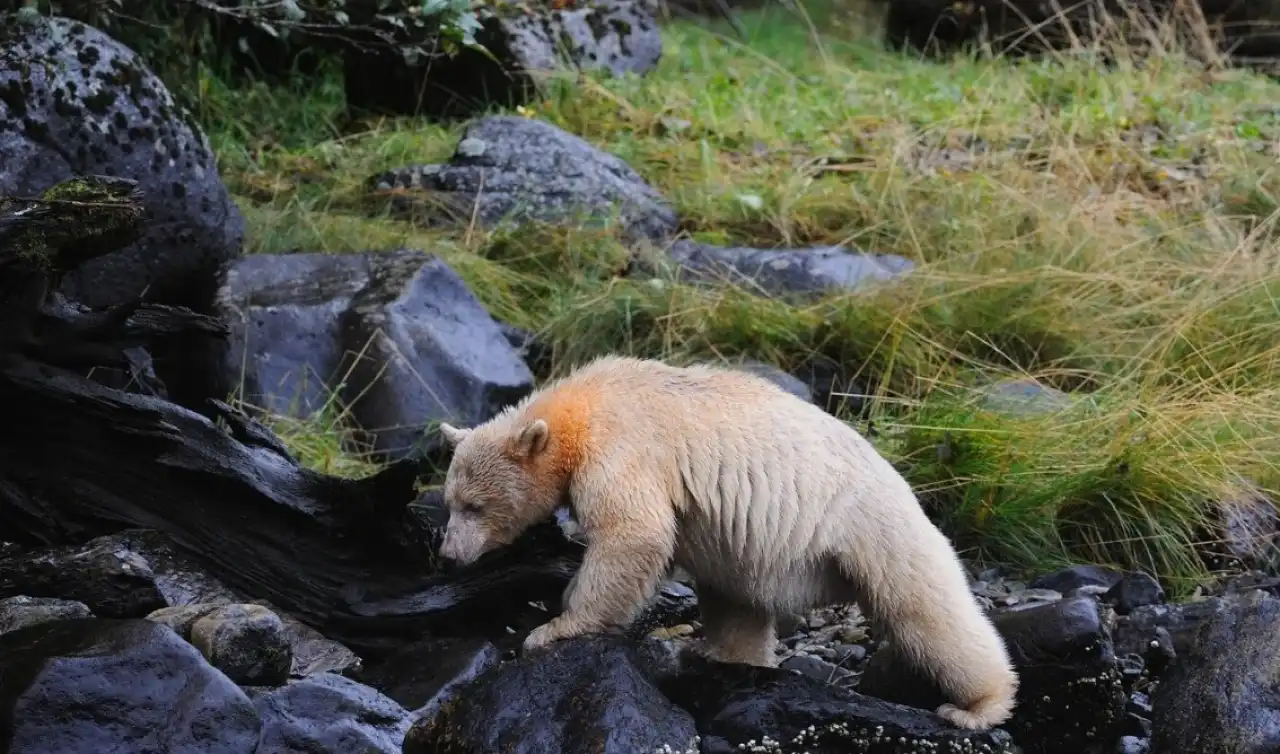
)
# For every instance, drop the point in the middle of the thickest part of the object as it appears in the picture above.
(1104, 230)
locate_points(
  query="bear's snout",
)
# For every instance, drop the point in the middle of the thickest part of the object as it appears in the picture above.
(463, 543)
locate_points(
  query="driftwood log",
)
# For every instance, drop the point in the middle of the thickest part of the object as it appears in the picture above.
(354, 559)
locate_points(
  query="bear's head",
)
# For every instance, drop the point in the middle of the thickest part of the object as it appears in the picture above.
(497, 486)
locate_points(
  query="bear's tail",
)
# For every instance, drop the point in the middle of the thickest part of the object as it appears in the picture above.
(915, 589)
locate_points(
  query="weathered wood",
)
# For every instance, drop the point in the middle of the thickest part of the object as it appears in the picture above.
(79, 459)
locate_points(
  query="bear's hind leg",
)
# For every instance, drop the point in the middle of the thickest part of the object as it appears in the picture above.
(735, 631)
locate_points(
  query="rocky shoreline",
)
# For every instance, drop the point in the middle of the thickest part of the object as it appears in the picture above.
(178, 582)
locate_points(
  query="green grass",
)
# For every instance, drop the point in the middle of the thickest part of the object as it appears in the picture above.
(1107, 231)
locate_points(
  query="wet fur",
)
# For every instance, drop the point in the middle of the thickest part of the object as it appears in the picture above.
(769, 502)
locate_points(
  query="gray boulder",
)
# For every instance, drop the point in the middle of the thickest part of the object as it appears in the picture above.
(618, 36)
(396, 336)
(74, 101)
(514, 169)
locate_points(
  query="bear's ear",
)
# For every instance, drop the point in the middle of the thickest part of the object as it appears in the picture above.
(452, 434)
(533, 438)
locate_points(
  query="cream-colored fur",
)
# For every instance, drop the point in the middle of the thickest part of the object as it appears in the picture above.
(770, 503)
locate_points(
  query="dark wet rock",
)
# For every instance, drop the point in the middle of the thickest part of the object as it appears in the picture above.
(780, 272)
(1135, 590)
(1223, 695)
(1133, 745)
(425, 674)
(125, 575)
(619, 36)
(397, 336)
(1075, 577)
(332, 714)
(790, 383)
(738, 707)
(96, 685)
(1070, 694)
(1024, 397)
(19, 612)
(246, 642)
(591, 695)
(311, 652)
(509, 168)
(74, 101)
(1167, 631)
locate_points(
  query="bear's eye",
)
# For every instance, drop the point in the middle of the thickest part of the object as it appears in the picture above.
(471, 506)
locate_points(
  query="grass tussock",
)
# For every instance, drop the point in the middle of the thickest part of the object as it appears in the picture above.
(1105, 230)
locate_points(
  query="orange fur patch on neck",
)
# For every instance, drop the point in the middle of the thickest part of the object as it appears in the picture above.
(567, 411)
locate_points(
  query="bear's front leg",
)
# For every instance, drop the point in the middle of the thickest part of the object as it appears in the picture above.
(621, 568)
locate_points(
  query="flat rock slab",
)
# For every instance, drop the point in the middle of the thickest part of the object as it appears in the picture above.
(783, 272)
(396, 337)
(74, 101)
(514, 169)
(618, 36)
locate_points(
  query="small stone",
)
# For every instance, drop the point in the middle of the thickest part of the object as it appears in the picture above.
(245, 642)
(852, 634)
(1133, 745)
(17, 612)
